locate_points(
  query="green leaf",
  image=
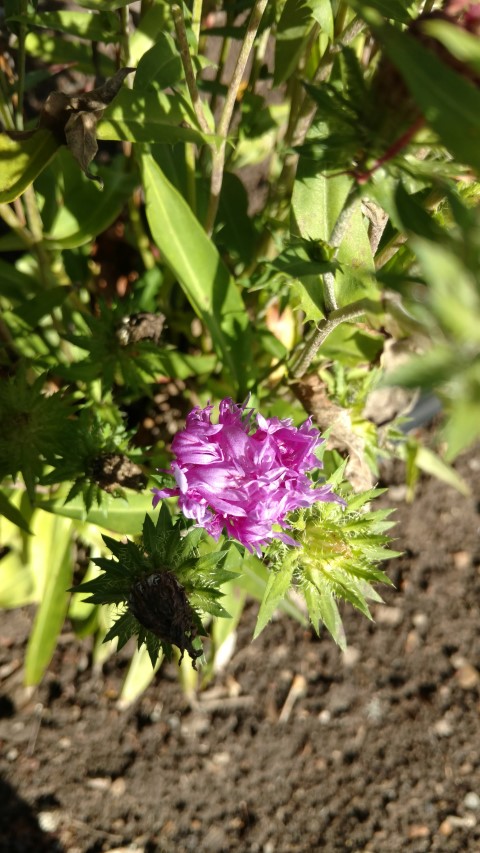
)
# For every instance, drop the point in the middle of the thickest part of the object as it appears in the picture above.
(413, 217)
(254, 577)
(161, 65)
(317, 202)
(432, 464)
(277, 587)
(148, 116)
(10, 511)
(103, 27)
(193, 258)
(140, 674)
(54, 603)
(397, 10)
(322, 608)
(462, 427)
(427, 371)
(15, 284)
(51, 50)
(293, 28)
(115, 514)
(103, 5)
(85, 210)
(322, 12)
(462, 44)
(456, 308)
(449, 102)
(32, 310)
(21, 160)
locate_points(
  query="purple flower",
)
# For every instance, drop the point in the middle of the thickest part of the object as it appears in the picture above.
(245, 473)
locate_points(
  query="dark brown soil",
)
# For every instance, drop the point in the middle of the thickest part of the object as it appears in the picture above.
(380, 751)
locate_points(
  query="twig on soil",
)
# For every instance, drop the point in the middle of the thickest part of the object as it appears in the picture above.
(297, 691)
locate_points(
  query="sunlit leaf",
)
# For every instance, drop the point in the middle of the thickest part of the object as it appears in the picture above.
(21, 160)
(192, 256)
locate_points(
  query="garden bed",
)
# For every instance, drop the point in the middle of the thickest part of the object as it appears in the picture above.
(294, 748)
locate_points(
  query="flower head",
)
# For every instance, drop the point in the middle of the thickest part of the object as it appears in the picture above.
(245, 473)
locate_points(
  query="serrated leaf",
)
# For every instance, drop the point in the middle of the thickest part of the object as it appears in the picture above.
(277, 587)
(12, 513)
(123, 628)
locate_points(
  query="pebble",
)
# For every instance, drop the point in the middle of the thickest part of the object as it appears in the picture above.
(443, 728)
(49, 821)
(471, 801)
(420, 620)
(456, 822)
(99, 783)
(118, 787)
(467, 676)
(462, 559)
(388, 615)
(350, 656)
(418, 830)
(412, 642)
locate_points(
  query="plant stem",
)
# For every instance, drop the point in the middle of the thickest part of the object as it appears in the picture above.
(333, 315)
(22, 35)
(197, 18)
(124, 42)
(324, 329)
(191, 82)
(10, 218)
(218, 154)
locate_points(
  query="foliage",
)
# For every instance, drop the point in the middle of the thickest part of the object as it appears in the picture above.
(292, 218)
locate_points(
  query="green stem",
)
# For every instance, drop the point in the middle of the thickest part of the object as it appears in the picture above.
(15, 225)
(22, 35)
(191, 82)
(197, 18)
(190, 161)
(218, 154)
(324, 329)
(141, 239)
(333, 315)
(124, 40)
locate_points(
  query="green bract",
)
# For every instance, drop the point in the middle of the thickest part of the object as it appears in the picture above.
(165, 547)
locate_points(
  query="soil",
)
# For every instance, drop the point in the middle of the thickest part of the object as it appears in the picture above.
(295, 747)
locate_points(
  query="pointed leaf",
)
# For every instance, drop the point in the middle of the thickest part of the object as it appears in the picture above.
(21, 160)
(278, 585)
(54, 604)
(193, 258)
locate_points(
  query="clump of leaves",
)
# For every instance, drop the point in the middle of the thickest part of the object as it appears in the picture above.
(164, 585)
(99, 459)
(338, 557)
(34, 428)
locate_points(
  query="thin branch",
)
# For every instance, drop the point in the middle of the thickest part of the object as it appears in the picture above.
(22, 35)
(218, 156)
(325, 328)
(188, 67)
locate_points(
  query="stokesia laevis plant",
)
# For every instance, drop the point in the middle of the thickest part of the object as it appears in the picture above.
(244, 478)
(244, 474)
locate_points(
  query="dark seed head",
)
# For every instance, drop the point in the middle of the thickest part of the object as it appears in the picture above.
(159, 602)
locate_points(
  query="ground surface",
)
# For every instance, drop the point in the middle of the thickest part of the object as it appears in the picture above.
(380, 752)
